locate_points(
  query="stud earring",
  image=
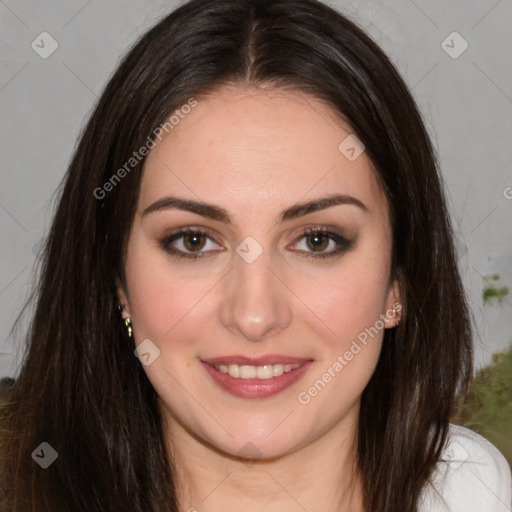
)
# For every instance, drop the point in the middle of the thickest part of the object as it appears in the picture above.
(399, 318)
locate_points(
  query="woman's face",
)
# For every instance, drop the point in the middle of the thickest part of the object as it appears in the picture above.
(245, 291)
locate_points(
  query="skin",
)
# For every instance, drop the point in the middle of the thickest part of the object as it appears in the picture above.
(255, 153)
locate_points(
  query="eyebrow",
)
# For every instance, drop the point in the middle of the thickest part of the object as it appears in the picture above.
(215, 212)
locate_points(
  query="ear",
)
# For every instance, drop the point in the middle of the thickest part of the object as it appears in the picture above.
(122, 296)
(393, 302)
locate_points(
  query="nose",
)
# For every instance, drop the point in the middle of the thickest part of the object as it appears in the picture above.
(256, 304)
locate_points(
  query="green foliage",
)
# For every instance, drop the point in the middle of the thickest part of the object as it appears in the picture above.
(491, 292)
(487, 409)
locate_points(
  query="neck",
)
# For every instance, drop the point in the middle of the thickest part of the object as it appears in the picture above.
(321, 475)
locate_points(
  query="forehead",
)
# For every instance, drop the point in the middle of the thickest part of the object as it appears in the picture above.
(259, 148)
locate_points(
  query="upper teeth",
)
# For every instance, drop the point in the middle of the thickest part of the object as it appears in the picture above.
(256, 372)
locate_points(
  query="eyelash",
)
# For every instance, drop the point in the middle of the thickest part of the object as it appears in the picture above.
(344, 244)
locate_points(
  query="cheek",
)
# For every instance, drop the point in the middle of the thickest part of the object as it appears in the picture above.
(351, 299)
(350, 303)
(350, 307)
(159, 297)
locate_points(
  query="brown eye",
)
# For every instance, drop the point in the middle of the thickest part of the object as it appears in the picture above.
(194, 241)
(317, 241)
(190, 243)
(322, 243)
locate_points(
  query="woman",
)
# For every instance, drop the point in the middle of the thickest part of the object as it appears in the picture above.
(249, 298)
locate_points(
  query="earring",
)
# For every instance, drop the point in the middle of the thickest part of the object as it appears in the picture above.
(127, 322)
(399, 318)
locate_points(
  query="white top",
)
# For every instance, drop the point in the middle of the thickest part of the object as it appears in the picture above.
(473, 476)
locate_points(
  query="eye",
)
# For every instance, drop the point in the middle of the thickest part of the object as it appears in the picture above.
(195, 243)
(189, 243)
(316, 241)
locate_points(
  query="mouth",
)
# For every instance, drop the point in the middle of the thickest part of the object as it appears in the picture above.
(267, 371)
(256, 378)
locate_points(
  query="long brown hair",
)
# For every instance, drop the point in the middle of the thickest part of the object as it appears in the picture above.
(80, 387)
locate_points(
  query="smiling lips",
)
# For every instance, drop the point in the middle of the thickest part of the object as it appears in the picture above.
(264, 367)
(267, 371)
(256, 377)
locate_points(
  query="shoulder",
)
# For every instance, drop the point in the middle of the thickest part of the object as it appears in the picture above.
(472, 476)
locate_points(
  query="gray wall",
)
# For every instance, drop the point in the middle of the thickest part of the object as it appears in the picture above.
(466, 99)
